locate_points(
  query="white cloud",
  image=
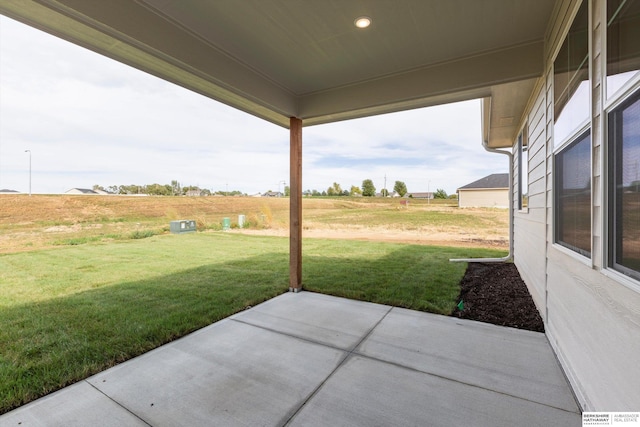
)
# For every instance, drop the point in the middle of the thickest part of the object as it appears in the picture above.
(89, 120)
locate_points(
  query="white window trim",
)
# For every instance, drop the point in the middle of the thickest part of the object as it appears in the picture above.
(574, 136)
(622, 279)
(573, 254)
(630, 89)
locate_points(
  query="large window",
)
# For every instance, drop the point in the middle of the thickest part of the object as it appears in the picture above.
(623, 43)
(573, 195)
(623, 143)
(571, 79)
(572, 166)
(624, 187)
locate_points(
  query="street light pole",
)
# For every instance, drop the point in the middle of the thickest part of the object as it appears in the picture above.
(29, 151)
(281, 182)
(428, 192)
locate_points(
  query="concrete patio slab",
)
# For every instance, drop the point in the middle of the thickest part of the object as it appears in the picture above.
(505, 360)
(227, 374)
(337, 322)
(367, 392)
(311, 359)
(78, 405)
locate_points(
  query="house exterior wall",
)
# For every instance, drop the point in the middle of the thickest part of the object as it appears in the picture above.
(483, 198)
(591, 314)
(530, 224)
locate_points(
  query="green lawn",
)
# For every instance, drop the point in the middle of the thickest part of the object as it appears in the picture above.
(408, 219)
(69, 312)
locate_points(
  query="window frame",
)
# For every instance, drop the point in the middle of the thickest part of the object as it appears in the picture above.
(613, 238)
(625, 89)
(523, 169)
(578, 137)
(565, 97)
(612, 100)
(567, 139)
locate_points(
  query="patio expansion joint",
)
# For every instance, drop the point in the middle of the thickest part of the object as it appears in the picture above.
(347, 354)
(312, 341)
(118, 403)
(443, 377)
(346, 357)
(354, 351)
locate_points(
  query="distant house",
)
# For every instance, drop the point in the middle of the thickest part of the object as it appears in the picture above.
(88, 192)
(194, 193)
(422, 195)
(84, 191)
(272, 194)
(7, 191)
(492, 191)
(389, 194)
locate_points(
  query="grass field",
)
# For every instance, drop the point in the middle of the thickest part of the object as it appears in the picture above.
(37, 222)
(88, 282)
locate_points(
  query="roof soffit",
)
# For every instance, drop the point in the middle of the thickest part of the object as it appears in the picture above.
(309, 47)
(282, 58)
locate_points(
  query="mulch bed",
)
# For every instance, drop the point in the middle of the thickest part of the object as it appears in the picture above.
(495, 293)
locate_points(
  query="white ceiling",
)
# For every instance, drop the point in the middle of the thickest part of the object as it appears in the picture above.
(294, 58)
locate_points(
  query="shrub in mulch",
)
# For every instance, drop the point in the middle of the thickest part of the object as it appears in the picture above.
(495, 293)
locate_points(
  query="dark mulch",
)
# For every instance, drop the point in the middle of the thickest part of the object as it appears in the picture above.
(495, 293)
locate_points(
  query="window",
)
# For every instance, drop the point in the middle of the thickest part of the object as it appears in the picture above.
(624, 187)
(572, 166)
(571, 79)
(523, 173)
(623, 43)
(623, 143)
(573, 195)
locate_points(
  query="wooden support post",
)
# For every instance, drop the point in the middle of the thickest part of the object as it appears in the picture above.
(295, 206)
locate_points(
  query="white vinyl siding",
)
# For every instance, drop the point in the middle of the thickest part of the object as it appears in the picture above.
(529, 239)
(591, 315)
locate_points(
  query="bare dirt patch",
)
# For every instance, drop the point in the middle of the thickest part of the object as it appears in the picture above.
(421, 237)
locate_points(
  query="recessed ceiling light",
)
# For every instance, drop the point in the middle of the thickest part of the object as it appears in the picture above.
(362, 22)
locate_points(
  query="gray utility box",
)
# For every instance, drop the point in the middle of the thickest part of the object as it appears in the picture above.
(182, 226)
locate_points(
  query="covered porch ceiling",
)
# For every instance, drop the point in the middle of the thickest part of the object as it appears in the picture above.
(278, 59)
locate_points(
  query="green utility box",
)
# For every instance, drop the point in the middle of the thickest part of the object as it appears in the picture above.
(226, 223)
(182, 226)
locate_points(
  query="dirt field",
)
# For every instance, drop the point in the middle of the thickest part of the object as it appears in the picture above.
(44, 221)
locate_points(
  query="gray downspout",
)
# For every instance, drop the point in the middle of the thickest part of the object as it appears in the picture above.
(509, 257)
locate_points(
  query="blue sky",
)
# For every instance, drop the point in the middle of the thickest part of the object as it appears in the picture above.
(90, 120)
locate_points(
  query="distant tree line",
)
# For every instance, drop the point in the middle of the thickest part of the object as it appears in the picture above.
(173, 189)
(366, 190)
